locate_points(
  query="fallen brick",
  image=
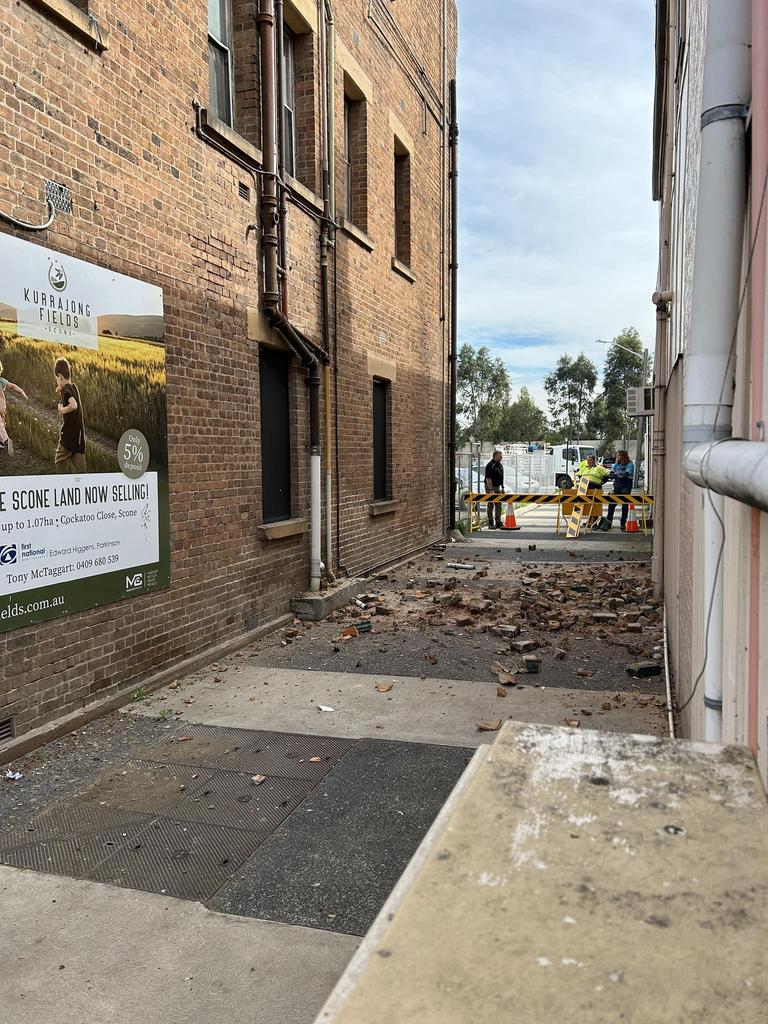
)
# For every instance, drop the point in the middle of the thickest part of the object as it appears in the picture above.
(644, 669)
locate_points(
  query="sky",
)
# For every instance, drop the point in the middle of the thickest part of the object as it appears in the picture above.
(558, 233)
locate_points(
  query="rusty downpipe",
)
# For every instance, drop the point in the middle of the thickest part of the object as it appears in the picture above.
(270, 240)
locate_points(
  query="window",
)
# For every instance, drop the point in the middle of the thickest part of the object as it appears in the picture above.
(289, 100)
(380, 440)
(220, 72)
(681, 28)
(274, 377)
(355, 160)
(402, 203)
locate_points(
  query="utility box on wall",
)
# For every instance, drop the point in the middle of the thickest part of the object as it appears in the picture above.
(639, 401)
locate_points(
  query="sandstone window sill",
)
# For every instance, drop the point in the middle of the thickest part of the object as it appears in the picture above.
(403, 270)
(75, 21)
(229, 138)
(282, 529)
(357, 235)
(305, 193)
(383, 508)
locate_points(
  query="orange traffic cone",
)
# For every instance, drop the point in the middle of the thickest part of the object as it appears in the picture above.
(632, 526)
(510, 523)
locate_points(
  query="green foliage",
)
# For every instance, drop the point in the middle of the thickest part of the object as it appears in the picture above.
(522, 420)
(122, 384)
(570, 388)
(41, 436)
(482, 391)
(622, 370)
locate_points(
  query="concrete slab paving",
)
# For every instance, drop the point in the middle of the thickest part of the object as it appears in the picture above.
(578, 876)
(334, 861)
(421, 710)
(77, 952)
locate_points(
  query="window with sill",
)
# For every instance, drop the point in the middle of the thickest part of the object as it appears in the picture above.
(381, 440)
(355, 161)
(233, 67)
(402, 211)
(300, 98)
(274, 388)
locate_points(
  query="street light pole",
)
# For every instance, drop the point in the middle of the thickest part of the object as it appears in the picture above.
(640, 433)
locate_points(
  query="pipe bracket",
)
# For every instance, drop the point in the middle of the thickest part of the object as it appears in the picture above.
(724, 112)
(712, 704)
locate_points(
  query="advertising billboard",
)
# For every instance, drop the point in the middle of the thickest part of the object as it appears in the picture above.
(84, 516)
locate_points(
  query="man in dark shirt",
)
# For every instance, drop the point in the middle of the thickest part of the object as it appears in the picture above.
(70, 452)
(494, 483)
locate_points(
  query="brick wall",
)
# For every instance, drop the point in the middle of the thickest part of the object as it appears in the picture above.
(154, 201)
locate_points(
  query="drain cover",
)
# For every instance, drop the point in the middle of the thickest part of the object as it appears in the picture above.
(177, 858)
(235, 800)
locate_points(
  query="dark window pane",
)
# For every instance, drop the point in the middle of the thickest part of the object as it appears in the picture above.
(403, 207)
(379, 440)
(290, 142)
(275, 437)
(220, 98)
(347, 158)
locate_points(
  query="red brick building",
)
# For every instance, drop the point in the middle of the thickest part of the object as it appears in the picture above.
(152, 115)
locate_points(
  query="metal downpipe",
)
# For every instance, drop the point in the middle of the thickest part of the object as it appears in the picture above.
(708, 386)
(270, 219)
(453, 174)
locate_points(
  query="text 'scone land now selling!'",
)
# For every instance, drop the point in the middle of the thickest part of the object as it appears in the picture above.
(83, 447)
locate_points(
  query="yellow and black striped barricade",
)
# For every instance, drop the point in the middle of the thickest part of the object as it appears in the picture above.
(571, 498)
(566, 501)
(483, 498)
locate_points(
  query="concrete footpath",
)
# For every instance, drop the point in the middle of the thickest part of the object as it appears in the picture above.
(75, 952)
(216, 851)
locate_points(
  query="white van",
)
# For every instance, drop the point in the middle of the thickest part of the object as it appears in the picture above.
(566, 459)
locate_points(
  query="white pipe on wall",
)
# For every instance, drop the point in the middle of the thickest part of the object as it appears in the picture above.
(720, 217)
(707, 378)
(316, 565)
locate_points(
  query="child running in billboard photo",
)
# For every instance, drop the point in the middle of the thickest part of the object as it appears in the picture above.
(5, 385)
(70, 451)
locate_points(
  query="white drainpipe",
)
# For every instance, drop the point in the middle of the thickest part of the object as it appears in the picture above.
(708, 377)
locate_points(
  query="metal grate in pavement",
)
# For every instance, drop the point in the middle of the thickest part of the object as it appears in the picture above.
(237, 801)
(183, 859)
(296, 756)
(208, 746)
(143, 786)
(254, 752)
(75, 856)
(72, 820)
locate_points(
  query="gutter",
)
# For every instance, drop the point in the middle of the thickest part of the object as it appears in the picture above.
(660, 97)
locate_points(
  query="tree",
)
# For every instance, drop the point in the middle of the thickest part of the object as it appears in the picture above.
(482, 391)
(622, 370)
(570, 388)
(522, 420)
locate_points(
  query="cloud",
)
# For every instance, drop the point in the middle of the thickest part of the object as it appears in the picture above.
(558, 232)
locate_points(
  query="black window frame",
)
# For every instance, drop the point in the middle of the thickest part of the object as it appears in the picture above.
(276, 435)
(347, 158)
(381, 398)
(402, 203)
